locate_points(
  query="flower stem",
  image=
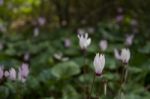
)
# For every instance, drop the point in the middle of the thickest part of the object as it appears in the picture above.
(126, 74)
(124, 78)
(105, 88)
(84, 71)
(92, 85)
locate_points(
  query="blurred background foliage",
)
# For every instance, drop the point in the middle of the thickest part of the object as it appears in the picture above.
(46, 32)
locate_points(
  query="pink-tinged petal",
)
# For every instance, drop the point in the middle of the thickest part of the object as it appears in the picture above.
(24, 70)
(103, 45)
(12, 74)
(6, 74)
(117, 55)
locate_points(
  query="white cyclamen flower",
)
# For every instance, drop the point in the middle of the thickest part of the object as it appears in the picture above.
(117, 55)
(6, 74)
(125, 55)
(103, 45)
(12, 74)
(20, 77)
(99, 63)
(84, 41)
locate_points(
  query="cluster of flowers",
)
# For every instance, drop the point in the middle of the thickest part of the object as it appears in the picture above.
(99, 60)
(12, 74)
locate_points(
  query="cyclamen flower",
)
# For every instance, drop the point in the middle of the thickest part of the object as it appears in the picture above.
(41, 21)
(119, 18)
(12, 74)
(23, 72)
(6, 74)
(129, 40)
(63, 22)
(134, 22)
(1, 72)
(26, 56)
(120, 10)
(125, 55)
(67, 42)
(117, 55)
(20, 77)
(84, 41)
(99, 63)
(103, 45)
(1, 2)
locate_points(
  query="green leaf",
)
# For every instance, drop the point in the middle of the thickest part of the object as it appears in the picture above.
(145, 49)
(69, 91)
(111, 63)
(65, 70)
(4, 92)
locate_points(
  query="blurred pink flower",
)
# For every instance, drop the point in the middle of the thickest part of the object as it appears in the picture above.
(1, 2)
(41, 21)
(24, 69)
(119, 18)
(64, 22)
(129, 39)
(26, 56)
(6, 74)
(119, 9)
(103, 45)
(1, 72)
(134, 22)
(20, 77)
(12, 74)
(67, 42)
(23, 72)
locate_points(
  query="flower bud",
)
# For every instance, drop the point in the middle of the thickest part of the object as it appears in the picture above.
(103, 45)
(99, 63)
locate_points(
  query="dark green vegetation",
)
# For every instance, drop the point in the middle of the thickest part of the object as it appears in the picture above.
(62, 78)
